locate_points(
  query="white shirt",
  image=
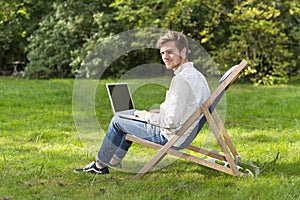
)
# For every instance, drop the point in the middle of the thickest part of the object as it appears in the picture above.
(188, 91)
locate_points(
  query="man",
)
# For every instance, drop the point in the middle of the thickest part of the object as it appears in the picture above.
(187, 91)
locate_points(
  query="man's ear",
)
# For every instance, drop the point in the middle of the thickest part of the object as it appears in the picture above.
(183, 52)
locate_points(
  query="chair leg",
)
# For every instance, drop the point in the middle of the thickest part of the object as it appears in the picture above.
(163, 151)
(206, 152)
(160, 154)
(221, 142)
(224, 133)
(149, 165)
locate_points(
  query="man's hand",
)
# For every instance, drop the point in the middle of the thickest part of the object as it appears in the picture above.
(141, 114)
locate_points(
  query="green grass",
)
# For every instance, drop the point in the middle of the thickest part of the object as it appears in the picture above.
(40, 147)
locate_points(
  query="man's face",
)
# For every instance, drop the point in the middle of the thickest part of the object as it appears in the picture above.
(171, 55)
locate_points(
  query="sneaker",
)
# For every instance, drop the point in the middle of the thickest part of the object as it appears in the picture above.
(93, 169)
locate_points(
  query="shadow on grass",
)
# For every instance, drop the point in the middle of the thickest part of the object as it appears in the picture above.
(182, 168)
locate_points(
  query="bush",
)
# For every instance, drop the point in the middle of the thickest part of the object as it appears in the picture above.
(60, 33)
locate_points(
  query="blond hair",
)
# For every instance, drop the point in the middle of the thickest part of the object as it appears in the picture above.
(179, 38)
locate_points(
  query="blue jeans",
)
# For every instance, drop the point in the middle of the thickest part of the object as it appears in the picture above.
(116, 146)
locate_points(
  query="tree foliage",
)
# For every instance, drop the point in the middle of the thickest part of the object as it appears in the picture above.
(61, 32)
(258, 34)
(56, 36)
(19, 19)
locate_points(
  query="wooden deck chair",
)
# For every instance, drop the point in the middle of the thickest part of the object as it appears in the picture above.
(208, 113)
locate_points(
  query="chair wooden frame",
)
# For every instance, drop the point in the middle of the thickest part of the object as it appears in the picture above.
(229, 153)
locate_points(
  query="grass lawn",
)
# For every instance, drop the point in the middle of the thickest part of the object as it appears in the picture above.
(40, 147)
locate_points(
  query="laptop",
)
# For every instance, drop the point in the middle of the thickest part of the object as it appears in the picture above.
(121, 101)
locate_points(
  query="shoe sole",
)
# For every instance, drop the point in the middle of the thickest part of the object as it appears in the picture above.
(92, 171)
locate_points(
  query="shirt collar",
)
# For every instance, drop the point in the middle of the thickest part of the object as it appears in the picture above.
(183, 66)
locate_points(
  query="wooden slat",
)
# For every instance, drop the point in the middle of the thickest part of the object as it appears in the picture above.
(181, 155)
(225, 134)
(191, 147)
(206, 152)
(162, 152)
(220, 140)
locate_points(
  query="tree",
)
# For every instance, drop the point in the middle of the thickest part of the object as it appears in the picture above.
(61, 32)
(12, 33)
(18, 21)
(56, 36)
(257, 34)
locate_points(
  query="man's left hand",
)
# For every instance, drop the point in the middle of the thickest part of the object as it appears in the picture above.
(141, 114)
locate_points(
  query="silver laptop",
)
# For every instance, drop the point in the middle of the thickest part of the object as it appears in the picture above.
(121, 100)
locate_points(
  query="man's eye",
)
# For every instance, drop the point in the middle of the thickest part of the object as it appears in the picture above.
(166, 52)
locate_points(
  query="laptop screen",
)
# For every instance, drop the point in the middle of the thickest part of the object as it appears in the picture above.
(120, 97)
